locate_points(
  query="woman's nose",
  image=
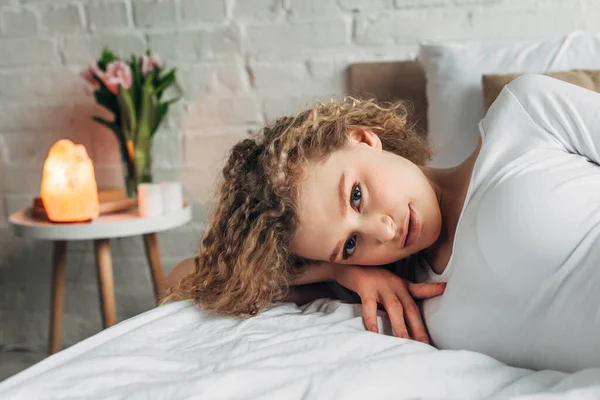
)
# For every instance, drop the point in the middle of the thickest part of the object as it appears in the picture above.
(382, 228)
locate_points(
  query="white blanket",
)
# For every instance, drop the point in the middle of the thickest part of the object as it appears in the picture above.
(319, 351)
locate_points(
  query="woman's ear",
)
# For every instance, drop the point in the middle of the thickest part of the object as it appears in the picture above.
(365, 136)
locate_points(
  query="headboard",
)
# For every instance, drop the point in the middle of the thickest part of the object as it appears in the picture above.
(389, 81)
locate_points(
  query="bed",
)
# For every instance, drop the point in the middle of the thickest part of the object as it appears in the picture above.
(316, 351)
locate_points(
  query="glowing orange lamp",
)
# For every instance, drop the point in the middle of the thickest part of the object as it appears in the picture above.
(69, 190)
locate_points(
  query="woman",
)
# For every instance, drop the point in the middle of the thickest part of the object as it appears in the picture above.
(341, 189)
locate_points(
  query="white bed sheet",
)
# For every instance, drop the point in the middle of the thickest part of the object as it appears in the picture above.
(319, 351)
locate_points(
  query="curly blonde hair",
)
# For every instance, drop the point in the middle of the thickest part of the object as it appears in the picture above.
(244, 262)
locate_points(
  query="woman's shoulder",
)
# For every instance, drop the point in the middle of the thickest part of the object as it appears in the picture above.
(523, 90)
(513, 114)
(179, 271)
(530, 83)
(536, 90)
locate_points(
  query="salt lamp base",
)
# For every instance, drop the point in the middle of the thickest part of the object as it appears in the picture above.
(110, 203)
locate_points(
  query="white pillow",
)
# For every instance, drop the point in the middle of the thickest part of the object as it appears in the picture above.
(453, 73)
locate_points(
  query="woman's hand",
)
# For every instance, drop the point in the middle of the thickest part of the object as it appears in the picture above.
(378, 285)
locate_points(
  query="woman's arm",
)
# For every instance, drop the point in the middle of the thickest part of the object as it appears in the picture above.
(321, 272)
(311, 285)
(305, 288)
(374, 285)
(314, 273)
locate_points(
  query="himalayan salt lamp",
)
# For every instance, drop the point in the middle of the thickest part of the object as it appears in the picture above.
(69, 191)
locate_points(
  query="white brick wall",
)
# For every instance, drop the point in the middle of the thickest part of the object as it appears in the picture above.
(25, 52)
(62, 18)
(18, 22)
(107, 15)
(207, 11)
(240, 62)
(155, 14)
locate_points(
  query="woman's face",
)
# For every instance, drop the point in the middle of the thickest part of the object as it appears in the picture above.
(365, 206)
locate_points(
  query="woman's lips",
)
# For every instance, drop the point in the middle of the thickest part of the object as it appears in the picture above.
(414, 228)
(406, 227)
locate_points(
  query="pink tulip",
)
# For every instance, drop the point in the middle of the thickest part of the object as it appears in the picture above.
(149, 63)
(117, 74)
(88, 75)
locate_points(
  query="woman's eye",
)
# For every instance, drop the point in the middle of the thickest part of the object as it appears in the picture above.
(356, 196)
(355, 199)
(349, 247)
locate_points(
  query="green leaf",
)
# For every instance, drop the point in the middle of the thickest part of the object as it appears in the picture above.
(106, 58)
(113, 126)
(173, 100)
(121, 139)
(128, 113)
(147, 110)
(143, 139)
(108, 124)
(107, 100)
(136, 87)
(179, 93)
(161, 111)
(165, 81)
(156, 77)
(177, 97)
(105, 97)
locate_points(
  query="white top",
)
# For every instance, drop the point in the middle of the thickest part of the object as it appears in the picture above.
(524, 275)
(104, 227)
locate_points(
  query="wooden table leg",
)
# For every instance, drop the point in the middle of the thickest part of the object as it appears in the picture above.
(59, 262)
(106, 282)
(153, 255)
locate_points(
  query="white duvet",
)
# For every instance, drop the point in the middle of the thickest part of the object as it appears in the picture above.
(319, 351)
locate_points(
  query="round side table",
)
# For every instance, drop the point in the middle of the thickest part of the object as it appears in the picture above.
(100, 230)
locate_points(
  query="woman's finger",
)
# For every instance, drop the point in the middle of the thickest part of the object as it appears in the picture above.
(426, 290)
(413, 317)
(395, 311)
(369, 306)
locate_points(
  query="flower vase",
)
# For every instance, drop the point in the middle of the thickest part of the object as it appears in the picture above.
(133, 91)
(137, 170)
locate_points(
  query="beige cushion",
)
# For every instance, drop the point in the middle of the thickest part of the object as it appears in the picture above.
(493, 84)
(391, 81)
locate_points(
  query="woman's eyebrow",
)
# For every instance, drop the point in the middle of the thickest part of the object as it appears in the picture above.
(342, 195)
(343, 211)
